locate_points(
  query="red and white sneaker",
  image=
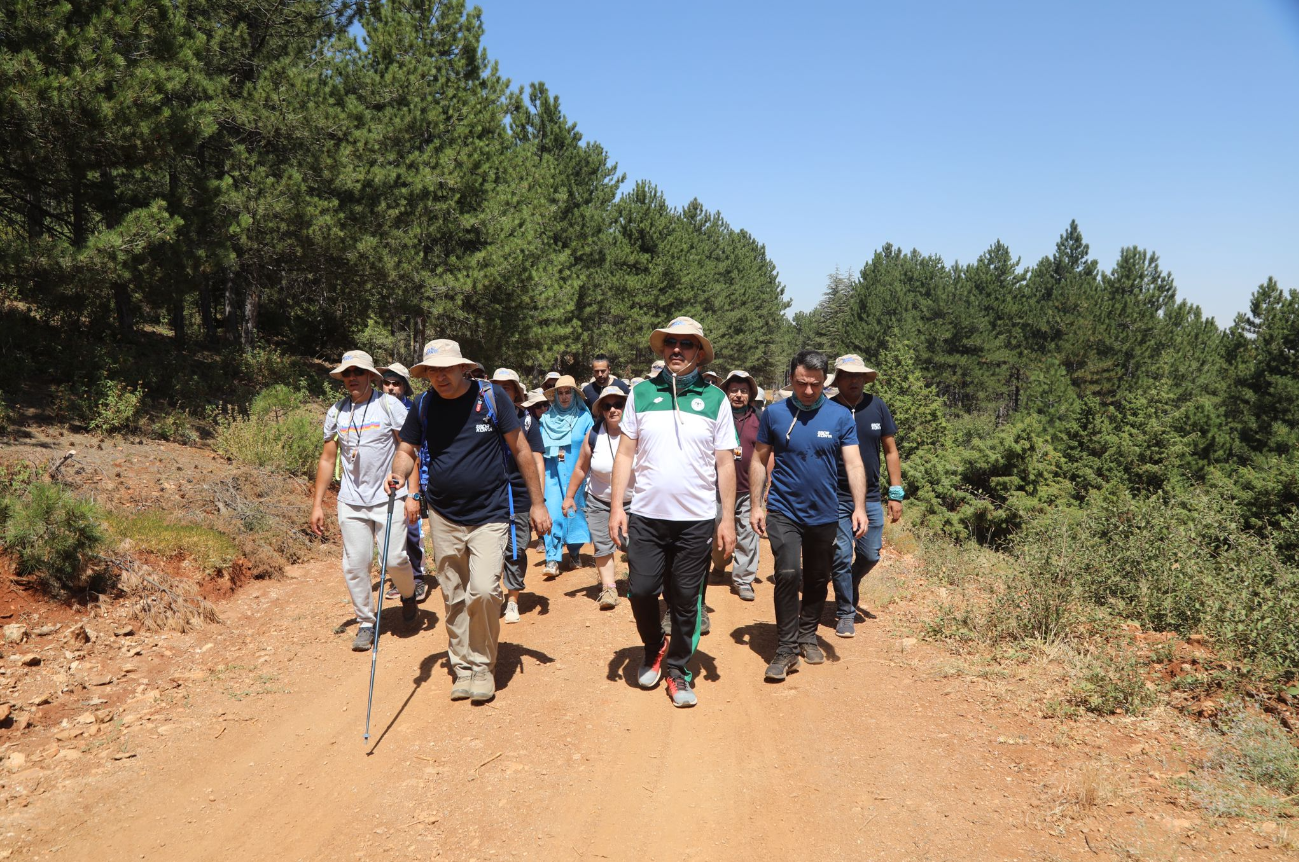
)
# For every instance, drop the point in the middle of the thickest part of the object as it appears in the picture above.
(652, 671)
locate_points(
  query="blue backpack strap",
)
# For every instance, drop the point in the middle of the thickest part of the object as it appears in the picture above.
(487, 397)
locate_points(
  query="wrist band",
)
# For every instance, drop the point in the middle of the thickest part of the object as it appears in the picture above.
(897, 493)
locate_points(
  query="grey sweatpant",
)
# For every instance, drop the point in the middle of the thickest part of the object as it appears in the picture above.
(362, 528)
(746, 544)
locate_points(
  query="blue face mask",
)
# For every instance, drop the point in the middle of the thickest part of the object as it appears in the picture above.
(690, 378)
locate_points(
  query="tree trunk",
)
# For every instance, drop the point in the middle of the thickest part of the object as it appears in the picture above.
(252, 297)
(232, 312)
(125, 313)
(179, 273)
(205, 310)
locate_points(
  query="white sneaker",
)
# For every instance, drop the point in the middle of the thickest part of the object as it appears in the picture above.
(511, 612)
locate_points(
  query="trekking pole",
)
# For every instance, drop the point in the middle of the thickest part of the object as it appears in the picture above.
(383, 577)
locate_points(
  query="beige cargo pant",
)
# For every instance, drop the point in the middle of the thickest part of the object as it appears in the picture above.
(468, 565)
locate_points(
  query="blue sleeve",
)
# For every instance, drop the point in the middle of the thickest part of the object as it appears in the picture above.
(888, 428)
(534, 439)
(848, 430)
(506, 419)
(412, 431)
(764, 427)
(592, 438)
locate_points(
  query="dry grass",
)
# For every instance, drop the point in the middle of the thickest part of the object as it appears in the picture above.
(159, 602)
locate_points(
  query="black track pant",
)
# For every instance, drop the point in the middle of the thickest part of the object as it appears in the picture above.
(668, 557)
(796, 621)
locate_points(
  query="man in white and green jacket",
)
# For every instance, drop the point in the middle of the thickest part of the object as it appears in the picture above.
(678, 441)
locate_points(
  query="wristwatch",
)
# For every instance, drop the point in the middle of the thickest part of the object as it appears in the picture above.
(417, 497)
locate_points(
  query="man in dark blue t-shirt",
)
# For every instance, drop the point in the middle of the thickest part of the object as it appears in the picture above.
(809, 435)
(875, 430)
(467, 427)
(600, 378)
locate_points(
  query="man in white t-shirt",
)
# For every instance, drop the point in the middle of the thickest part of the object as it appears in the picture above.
(678, 440)
(363, 427)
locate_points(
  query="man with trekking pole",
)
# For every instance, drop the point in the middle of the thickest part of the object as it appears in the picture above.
(363, 427)
(467, 426)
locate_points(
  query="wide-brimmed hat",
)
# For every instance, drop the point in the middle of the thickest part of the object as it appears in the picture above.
(548, 382)
(535, 397)
(440, 353)
(737, 374)
(565, 380)
(852, 363)
(356, 359)
(609, 391)
(714, 375)
(683, 327)
(398, 370)
(658, 366)
(761, 396)
(506, 377)
(632, 383)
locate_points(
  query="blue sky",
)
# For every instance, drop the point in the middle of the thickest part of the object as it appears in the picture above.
(829, 128)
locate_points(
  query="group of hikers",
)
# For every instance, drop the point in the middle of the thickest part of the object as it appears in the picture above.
(683, 471)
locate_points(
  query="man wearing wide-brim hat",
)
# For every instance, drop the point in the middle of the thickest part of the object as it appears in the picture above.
(363, 427)
(516, 565)
(741, 389)
(679, 441)
(468, 428)
(855, 557)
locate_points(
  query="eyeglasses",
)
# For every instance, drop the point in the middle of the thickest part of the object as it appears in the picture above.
(684, 343)
(615, 405)
(353, 372)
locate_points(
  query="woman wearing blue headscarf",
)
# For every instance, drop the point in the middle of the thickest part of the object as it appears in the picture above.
(563, 428)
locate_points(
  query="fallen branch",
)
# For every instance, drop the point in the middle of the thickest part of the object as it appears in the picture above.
(487, 761)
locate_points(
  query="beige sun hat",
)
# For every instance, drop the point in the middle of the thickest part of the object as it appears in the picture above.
(713, 375)
(440, 353)
(400, 370)
(683, 327)
(565, 380)
(658, 366)
(356, 359)
(506, 377)
(609, 391)
(632, 383)
(761, 396)
(852, 363)
(535, 397)
(738, 374)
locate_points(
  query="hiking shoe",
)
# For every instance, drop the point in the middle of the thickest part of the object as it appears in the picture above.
(679, 690)
(552, 569)
(705, 624)
(651, 672)
(364, 639)
(608, 598)
(782, 664)
(421, 590)
(844, 628)
(482, 686)
(667, 623)
(746, 592)
(511, 612)
(393, 593)
(409, 609)
(460, 689)
(812, 654)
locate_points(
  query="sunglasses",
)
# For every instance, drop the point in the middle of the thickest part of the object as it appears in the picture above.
(684, 343)
(613, 404)
(353, 372)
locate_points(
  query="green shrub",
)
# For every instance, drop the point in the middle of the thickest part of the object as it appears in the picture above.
(1038, 595)
(1247, 766)
(111, 406)
(208, 549)
(175, 427)
(1110, 686)
(51, 533)
(281, 431)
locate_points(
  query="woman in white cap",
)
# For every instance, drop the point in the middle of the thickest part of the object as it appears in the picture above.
(596, 460)
(363, 426)
(516, 564)
(396, 382)
(536, 404)
(563, 429)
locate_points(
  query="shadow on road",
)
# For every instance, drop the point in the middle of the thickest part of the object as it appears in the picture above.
(509, 661)
(425, 672)
(626, 661)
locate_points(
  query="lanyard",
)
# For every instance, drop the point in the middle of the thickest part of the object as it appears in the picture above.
(356, 432)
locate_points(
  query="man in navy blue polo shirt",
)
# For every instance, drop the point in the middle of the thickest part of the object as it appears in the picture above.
(808, 434)
(875, 430)
(600, 378)
(467, 426)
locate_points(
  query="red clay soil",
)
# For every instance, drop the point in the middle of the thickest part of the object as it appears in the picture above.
(244, 740)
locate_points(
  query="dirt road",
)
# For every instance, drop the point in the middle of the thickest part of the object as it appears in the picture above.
(892, 750)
